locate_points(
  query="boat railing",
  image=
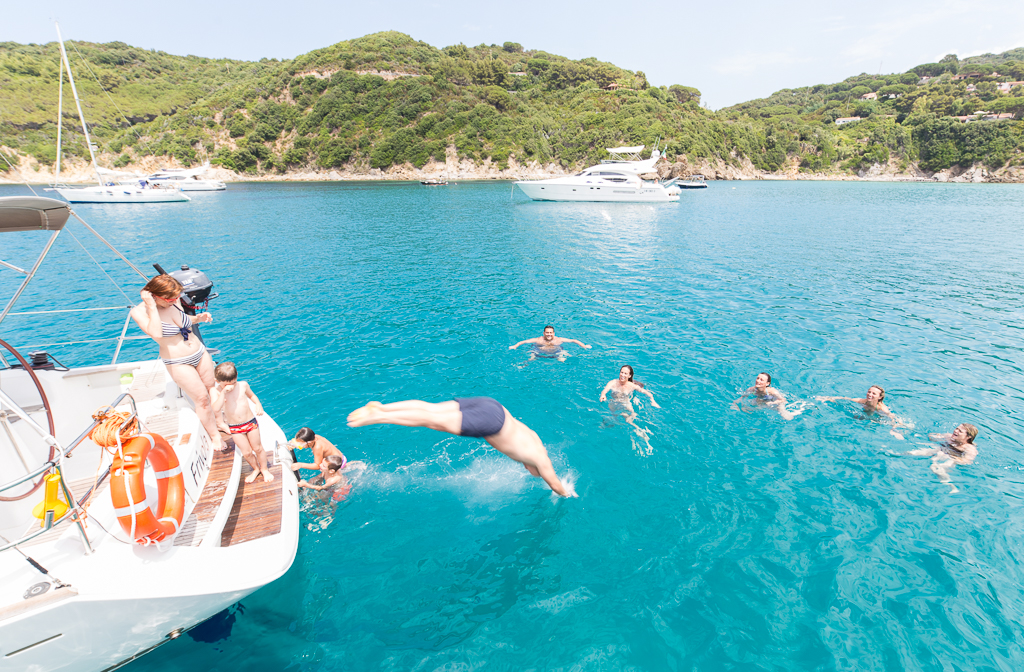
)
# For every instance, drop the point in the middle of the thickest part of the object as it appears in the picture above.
(120, 340)
(56, 464)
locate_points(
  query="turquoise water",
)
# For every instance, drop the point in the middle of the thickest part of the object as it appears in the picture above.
(716, 540)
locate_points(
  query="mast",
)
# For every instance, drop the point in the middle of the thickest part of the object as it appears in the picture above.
(85, 127)
(60, 116)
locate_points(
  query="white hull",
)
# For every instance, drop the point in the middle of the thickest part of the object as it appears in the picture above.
(201, 185)
(555, 190)
(128, 599)
(120, 194)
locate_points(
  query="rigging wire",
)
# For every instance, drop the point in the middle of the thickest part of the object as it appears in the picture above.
(18, 170)
(104, 90)
(112, 248)
(112, 281)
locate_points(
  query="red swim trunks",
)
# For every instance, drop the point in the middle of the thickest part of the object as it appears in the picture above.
(244, 428)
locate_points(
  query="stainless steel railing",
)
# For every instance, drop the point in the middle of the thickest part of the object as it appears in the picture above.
(56, 464)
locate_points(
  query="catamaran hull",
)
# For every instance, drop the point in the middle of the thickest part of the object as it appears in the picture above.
(121, 195)
(547, 191)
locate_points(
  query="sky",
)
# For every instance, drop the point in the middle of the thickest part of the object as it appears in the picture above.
(731, 51)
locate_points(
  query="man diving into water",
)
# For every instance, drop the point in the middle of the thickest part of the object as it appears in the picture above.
(549, 345)
(478, 417)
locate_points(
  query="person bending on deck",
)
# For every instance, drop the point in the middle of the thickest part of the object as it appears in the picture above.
(956, 448)
(478, 417)
(764, 394)
(231, 399)
(549, 345)
(322, 449)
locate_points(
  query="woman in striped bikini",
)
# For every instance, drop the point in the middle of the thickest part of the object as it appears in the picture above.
(162, 318)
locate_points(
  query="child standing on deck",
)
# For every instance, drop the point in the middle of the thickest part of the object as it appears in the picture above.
(231, 403)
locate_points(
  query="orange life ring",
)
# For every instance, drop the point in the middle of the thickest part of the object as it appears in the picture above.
(128, 491)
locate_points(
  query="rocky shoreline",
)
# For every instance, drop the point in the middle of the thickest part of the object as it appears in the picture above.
(79, 172)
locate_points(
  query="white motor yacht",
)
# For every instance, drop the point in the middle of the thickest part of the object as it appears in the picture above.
(80, 590)
(624, 178)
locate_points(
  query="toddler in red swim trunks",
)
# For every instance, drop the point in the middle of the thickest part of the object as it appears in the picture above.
(234, 415)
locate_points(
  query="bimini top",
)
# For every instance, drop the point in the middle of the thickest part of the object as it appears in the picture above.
(626, 150)
(32, 213)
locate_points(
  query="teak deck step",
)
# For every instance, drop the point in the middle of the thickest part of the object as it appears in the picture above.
(194, 528)
(257, 509)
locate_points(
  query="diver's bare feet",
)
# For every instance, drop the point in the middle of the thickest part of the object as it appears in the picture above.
(267, 476)
(365, 415)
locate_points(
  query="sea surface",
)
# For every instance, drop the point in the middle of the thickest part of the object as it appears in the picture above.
(704, 538)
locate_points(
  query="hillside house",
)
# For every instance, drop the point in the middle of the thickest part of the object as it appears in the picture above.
(842, 121)
(870, 96)
(1006, 86)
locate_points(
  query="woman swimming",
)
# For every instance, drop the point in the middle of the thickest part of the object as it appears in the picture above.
(162, 318)
(872, 403)
(622, 389)
(764, 394)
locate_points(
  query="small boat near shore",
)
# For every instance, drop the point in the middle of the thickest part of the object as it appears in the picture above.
(692, 182)
(84, 585)
(440, 181)
(624, 178)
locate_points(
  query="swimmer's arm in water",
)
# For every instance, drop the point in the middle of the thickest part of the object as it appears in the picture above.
(944, 438)
(304, 465)
(736, 404)
(860, 401)
(604, 392)
(579, 343)
(653, 402)
(529, 340)
(923, 452)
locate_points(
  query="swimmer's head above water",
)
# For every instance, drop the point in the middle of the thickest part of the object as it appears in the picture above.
(626, 374)
(964, 433)
(305, 435)
(875, 394)
(762, 381)
(549, 333)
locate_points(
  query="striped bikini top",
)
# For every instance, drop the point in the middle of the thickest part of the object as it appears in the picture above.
(171, 329)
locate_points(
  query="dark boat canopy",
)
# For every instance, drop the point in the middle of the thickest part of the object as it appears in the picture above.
(32, 213)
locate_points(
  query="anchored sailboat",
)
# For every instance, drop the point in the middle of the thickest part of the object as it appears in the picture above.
(104, 192)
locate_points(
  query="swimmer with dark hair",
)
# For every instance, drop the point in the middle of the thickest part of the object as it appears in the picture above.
(763, 393)
(549, 345)
(953, 449)
(322, 449)
(622, 389)
(477, 417)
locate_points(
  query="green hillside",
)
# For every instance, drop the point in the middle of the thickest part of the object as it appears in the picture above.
(387, 99)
